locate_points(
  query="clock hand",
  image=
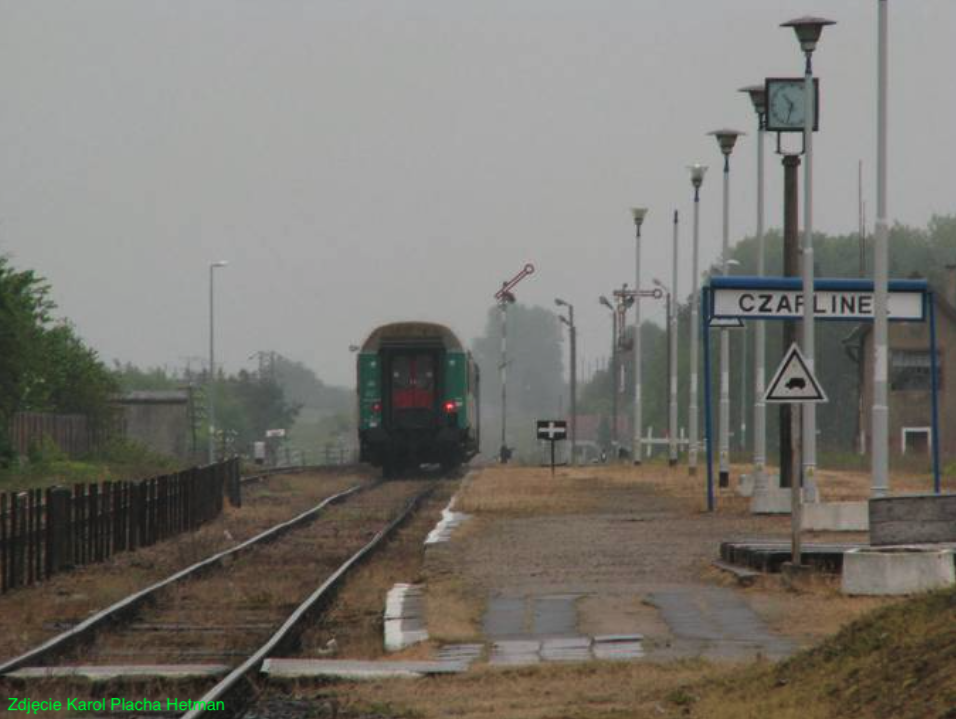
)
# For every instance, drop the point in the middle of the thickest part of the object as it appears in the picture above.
(790, 107)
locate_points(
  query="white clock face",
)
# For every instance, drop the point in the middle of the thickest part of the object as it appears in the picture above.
(786, 105)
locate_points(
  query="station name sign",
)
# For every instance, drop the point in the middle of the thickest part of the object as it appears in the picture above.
(835, 304)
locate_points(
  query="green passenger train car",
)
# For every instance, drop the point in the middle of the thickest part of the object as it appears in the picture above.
(417, 398)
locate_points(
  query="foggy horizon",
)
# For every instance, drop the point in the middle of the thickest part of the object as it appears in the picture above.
(358, 165)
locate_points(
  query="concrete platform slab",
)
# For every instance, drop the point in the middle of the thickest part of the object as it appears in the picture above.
(896, 570)
(836, 517)
(913, 519)
(772, 500)
(404, 617)
(108, 673)
(449, 521)
(353, 669)
(716, 623)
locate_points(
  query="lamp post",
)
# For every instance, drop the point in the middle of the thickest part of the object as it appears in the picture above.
(613, 371)
(638, 213)
(808, 30)
(212, 361)
(697, 172)
(758, 98)
(726, 139)
(880, 411)
(573, 332)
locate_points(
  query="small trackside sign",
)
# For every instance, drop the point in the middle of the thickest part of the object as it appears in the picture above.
(793, 381)
(552, 429)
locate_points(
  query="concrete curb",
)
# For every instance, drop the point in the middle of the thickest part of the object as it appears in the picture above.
(896, 570)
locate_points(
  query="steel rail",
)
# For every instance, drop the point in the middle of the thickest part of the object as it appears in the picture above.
(127, 606)
(235, 687)
(273, 471)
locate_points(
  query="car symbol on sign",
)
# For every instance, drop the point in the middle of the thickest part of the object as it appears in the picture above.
(796, 383)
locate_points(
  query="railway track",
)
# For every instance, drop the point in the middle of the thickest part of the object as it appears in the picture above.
(205, 631)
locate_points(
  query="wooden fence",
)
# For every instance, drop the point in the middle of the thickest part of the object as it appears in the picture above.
(43, 532)
(74, 434)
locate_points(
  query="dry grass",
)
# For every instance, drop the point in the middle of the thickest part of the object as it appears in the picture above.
(517, 490)
(597, 689)
(808, 610)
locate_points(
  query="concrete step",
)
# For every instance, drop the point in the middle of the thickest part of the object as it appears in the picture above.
(105, 673)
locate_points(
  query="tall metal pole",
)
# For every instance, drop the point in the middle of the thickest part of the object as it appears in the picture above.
(636, 442)
(808, 413)
(212, 371)
(726, 139)
(614, 383)
(503, 369)
(760, 342)
(880, 411)
(743, 389)
(672, 336)
(210, 400)
(724, 416)
(697, 173)
(574, 387)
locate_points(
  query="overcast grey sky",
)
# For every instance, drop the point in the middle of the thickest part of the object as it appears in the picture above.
(361, 162)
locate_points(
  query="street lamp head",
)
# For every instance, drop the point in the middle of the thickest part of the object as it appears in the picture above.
(758, 96)
(638, 213)
(808, 30)
(726, 138)
(697, 172)
(604, 301)
(561, 303)
(220, 263)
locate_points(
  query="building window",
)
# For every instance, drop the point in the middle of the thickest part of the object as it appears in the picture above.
(911, 370)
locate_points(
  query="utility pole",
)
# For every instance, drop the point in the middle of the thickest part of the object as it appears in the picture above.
(881, 410)
(572, 332)
(505, 297)
(672, 326)
(638, 213)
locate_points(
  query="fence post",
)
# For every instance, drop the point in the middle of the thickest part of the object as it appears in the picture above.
(19, 533)
(235, 486)
(4, 545)
(58, 550)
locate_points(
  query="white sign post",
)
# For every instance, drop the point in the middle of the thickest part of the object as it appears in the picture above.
(794, 383)
(553, 430)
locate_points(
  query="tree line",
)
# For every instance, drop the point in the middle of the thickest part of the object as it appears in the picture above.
(537, 354)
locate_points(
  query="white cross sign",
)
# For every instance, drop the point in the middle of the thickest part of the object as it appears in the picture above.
(552, 429)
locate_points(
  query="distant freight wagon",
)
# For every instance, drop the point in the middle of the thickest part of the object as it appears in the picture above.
(417, 398)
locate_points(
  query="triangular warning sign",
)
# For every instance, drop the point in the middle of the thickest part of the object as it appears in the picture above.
(793, 381)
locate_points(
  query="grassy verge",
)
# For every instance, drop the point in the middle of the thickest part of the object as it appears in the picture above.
(47, 466)
(897, 662)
